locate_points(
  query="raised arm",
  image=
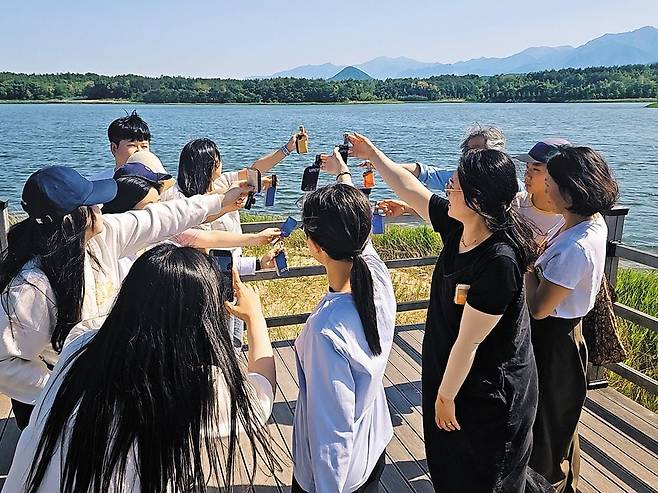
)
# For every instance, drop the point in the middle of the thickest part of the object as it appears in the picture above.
(334, 165)
(403, 183)
(260, 357)
(200, 238)
(125, 234)
(268, 161)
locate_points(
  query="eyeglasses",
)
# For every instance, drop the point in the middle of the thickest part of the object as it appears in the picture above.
(450, 187)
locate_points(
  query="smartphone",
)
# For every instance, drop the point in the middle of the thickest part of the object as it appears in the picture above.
(343, 148)
(377, 222)
(281, 263)
(251, 200)
(224, 260)
(270, 194)
(289, 226)
(311, 175)
(254, 179)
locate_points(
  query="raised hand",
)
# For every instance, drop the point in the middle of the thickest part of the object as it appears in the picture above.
(247, 306)
(392, 207)
(361, 147)
(332, 163)
(267, 236)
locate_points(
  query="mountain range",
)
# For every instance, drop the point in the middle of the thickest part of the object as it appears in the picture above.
(635, 47)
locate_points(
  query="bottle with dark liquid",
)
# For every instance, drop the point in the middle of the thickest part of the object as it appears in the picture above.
(343, 148)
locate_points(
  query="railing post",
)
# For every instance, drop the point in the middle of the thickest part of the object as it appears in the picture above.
(614, 218)
(4, 221)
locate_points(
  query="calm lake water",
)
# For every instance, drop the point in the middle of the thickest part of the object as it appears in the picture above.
(36, 135)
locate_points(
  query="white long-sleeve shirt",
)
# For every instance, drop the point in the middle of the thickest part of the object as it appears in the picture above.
(342, 422)
(29, 314)
(259, 387)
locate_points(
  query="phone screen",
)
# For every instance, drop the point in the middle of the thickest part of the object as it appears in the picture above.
(288, 226)
(281, 262)
(224, 260)
(310, 178)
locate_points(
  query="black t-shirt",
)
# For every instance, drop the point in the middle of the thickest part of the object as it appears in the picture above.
(496, 277)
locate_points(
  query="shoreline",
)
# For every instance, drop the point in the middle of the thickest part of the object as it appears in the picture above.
(652, 102)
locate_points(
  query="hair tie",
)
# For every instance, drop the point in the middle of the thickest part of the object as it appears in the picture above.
(356, 253)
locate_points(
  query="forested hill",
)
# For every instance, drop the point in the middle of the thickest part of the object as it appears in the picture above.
(626, 82)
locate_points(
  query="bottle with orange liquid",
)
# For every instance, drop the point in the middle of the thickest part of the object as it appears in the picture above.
(369, 177)
(301, 143)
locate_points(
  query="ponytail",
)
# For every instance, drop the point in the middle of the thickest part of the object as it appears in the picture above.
(364, 299)
(338, 219)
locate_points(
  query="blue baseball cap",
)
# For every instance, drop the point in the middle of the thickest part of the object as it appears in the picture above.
(142, 171)
(56, 191)
(543, 151)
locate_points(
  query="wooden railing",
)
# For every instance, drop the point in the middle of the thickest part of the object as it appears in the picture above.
(616, 250)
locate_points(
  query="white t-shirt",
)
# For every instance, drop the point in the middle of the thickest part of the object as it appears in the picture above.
(259, 387)
(575, 260)
(25, 331)
(342, 422)
(548, 223)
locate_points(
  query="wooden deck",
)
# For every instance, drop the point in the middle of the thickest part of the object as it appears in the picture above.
(619, 438)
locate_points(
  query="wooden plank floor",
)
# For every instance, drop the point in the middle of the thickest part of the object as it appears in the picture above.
(619, 438)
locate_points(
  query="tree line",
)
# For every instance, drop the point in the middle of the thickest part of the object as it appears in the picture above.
(625, 82)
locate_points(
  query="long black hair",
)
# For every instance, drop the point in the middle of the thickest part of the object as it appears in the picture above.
(131, 190)
(488, 179)
(147, 383)
(58, 246)
(338, 219)
(198, 160)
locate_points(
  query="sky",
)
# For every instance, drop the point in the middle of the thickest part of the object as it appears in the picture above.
(242, 38)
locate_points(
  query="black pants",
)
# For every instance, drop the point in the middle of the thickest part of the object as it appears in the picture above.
(22, 413)
(370, 486)
(561, 357)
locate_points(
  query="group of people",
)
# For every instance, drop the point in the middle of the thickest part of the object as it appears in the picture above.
(122, 355)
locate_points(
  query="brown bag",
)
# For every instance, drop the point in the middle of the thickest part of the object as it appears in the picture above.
(600, 329)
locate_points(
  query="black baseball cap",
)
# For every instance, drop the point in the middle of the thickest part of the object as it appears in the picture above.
(142, 171)
(543, 151)
(56, 191)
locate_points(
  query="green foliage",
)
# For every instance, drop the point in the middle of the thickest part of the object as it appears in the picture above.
(626, 82)
(638, 289)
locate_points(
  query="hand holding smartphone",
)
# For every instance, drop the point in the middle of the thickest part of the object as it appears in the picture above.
(289, 226)
(224, 260)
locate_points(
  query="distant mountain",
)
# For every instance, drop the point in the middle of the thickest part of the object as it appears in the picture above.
(635, 47)
(351, 73)
(323, 71)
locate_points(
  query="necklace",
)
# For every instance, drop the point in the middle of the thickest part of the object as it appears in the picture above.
(470, 244)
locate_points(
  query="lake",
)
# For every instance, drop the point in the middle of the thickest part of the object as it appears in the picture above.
(36, 135)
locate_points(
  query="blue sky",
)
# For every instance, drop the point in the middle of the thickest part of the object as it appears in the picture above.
(249, 37)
